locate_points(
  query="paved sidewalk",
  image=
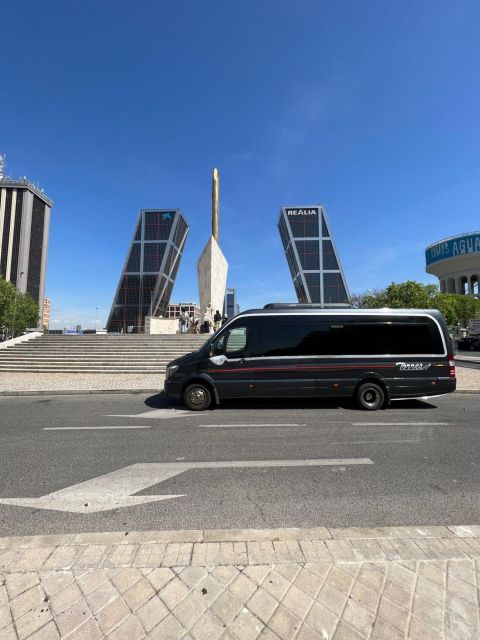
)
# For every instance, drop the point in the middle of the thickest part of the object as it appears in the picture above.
(305, 584)
(12, 383)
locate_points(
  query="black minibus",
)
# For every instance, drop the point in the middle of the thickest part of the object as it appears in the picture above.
(372, 355)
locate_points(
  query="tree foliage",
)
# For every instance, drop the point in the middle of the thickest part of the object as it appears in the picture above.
(455, 307)
(17, 310)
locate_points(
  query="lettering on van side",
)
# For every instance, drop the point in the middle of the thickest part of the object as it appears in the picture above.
(413, 366)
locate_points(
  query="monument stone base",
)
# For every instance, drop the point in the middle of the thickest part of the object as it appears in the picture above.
(212, 268)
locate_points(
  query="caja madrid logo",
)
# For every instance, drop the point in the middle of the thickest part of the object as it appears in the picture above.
(413, 366)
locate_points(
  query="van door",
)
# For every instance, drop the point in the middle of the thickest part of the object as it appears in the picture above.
(229, 364)
(282, 364)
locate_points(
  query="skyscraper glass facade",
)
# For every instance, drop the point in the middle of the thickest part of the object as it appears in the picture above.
(150, 269)
(312, 258)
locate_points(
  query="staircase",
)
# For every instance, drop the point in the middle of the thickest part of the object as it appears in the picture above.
(98, 353)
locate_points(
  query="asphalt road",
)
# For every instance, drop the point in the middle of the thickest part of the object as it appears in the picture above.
(424, 463)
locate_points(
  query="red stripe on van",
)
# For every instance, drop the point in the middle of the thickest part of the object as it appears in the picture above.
(304, 368)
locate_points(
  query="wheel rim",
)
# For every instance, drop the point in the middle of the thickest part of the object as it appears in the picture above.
(198, 396)
(370, 397)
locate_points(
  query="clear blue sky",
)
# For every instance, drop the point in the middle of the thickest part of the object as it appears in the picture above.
(371, 108)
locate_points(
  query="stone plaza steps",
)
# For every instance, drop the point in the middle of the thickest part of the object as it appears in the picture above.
(98, 353)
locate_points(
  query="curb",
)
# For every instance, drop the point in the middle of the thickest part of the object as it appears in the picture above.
(241, 535)
(74, 392)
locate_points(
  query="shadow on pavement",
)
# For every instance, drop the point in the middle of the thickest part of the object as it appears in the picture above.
(160, 401)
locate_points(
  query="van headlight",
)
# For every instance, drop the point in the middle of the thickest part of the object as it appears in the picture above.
(170, 371)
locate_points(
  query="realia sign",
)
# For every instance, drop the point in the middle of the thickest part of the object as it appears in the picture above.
(302, 212)
(459, 246)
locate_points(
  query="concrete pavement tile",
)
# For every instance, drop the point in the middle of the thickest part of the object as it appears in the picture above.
(295, 551)
(168, 629)
(427, 611)
(3, 595)
(262, 604)
(63, 557)
(112, 614)
(338, 579)
(226, 607)
(127, 578)
(383, 631)
(212, 555)
(101, 597)
(173, 592)
(49, 632)
(138, 594)
(281, 551)
(246, 626)
(225, 574)
(401, 575)
(257, 573)
(120, 555)
(5, 616)
(72, 617)
(199, 554)
(321, 620)
(308, 550)
(209, 589)
(393, 614)
(297, 601)
(33, 620)
(463, 570)
(8, 633)
(193, 575)
(432, 572)
(457, 629)
(240, 552)
(189, 610)
(456, 548)
(322, 550)
(461, 589)
(254, 552)
(128, 629)
(65, 598)
(359, 617)
(53, 582)
(276, 585)
(388, 550)
(356, 549)
(420, 630)
(266, 634)
(151, 613)
(284, 623)
(428, 590)
(320, 569)
(268, 552)
(373, 575)
(369, 598)
(242, 587)
(17, 583)
(308, 633)
(149, 555)
(462, 609)
(8, 559)
(91, 580)
(346, 632)
(288, 571)
(207, 627)
(33, 559)
(26, 601)
(466, 531)
(88, 631)
(308, 582)
(332, 598)
(397, 594)
(91, 556)
(340, 550)
(185, 553)
(160, 577)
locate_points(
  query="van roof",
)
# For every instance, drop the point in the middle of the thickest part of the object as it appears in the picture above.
(311, 310)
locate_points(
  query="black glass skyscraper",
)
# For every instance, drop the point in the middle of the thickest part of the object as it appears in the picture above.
(312, 256)
(150, 269)
(24, 232)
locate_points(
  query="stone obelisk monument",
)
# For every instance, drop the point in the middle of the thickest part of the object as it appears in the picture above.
(212, 266)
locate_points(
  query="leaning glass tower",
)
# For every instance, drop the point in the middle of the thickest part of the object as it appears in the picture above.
(149, 272)
(312, 257)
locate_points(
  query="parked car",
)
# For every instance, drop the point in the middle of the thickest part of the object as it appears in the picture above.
(472, 343)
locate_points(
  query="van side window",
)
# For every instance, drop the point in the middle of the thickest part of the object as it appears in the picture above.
(236, 341)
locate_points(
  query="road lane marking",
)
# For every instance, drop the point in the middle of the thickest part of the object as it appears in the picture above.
(94, 428)
(156, 414)
(400, 424)
(372, 441)
(115, 490)
(228, 426)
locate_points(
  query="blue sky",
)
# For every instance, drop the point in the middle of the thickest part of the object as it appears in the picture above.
(370, 108)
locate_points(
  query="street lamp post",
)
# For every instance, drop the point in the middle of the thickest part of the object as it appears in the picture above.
(96, 316)
(15, 304)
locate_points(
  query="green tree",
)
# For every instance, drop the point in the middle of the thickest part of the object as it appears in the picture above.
(17, 310)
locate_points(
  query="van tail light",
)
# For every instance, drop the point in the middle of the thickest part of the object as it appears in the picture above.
(451, 366)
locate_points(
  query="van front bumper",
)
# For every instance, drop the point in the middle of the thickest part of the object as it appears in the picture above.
(172, 389)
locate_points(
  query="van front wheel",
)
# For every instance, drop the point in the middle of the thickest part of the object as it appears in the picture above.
(370, 396)
(197, 397)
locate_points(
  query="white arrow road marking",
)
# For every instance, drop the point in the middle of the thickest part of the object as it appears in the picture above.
(156, 414)
(92, 428)
(400, 424)
(229, 426)
(114, 490)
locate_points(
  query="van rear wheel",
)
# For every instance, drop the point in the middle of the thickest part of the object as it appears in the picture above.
(370, 396)
(197, 397)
